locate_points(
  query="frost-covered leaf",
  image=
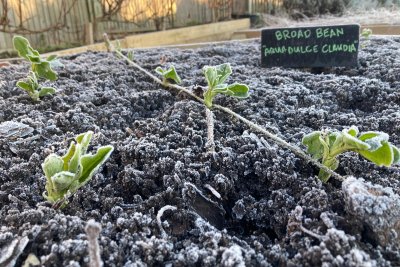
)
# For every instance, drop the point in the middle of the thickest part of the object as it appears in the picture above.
(382, 156)
(374, 139)
(169, 74)
(52, 164)
(46, 91)
(314, 144)
(23, 47)
(211, 76)
(223, 72)
(62, 181)
(26, 86)
(89, 164)
(44, 70)
(352, 142)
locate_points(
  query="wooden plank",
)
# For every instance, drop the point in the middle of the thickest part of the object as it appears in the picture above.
(186, 35)
(214, 31)
(383, 29)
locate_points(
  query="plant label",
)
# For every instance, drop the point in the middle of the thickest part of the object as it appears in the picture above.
(324, 46)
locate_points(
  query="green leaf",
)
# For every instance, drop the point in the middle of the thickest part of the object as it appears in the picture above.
(33, 79)
(374, 139)
(396, 154)
(77, 150)
(26, 86)
(89, 164)
(169, 74)
(21, 44)
(366, 32)
(70, 172)
(314, 144)
(67, 157)
(84, 140)
(382, 156)
(62, 182)
(46, 91)
(353, 131)
(223, 72)
(52, 164)
(74, 161)
(160, 71)
(44, 70)
(34, 59)
(51, 57)
(352, 142)
(130, 55)
(238, 90)
(211, 76)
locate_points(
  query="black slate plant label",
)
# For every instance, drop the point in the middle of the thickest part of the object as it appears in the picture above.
(324, 46)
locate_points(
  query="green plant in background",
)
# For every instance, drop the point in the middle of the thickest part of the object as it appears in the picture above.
(169, 75)
(130, 55)
(366, 33)
(66, 174)
(216, 77)
(40, 68)
(328, 145)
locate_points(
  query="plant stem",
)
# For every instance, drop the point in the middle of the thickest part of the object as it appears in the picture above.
(210, 145)
(296, 150)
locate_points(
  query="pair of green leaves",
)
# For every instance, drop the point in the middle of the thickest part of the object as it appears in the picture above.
(40, 68)
(68, 173)
(216, 77)
(328, 145)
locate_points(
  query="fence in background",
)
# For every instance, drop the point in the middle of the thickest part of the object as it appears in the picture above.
(65, 23)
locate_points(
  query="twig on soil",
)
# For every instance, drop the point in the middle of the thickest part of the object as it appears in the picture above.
(296, 150)
(305, 230)
(160, 214)
(92, 230)
(213, 191)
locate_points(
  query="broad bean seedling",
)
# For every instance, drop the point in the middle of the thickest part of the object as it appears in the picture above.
(40, 68)
(70, 172)
(328, 145)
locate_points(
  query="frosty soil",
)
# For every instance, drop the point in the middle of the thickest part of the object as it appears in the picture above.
(266, 193)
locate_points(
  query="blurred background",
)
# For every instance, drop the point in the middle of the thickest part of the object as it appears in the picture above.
(59, 24)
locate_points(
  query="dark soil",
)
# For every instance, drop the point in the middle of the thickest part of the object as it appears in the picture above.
(268, 198)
